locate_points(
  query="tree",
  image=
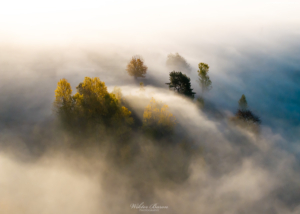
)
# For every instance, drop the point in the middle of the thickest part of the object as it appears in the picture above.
(181, 83)
(63, 103)
(136, 67)
(157, 119)
(243, 103)
(248, 117)
(63, 93)
(177, 62)
(98, 104)
(245, 117)
(204, 80)
(92, 105)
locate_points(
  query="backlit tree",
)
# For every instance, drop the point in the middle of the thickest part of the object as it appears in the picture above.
(245, 118)
(243, 103)
(180, 83)
(204, 80)
(136, 67)
(92, 105)
(157, 119)
(63, 103)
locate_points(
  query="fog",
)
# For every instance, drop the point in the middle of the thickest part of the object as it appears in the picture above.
(251, 48)
(236, 172)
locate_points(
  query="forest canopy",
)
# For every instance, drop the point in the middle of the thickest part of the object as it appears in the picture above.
(92, 105)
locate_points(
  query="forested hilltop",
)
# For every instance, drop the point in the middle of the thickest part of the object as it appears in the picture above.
(131, 107)
(135, 134)
(135, 127)
(93, 109)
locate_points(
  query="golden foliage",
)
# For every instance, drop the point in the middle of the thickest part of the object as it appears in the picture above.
(158, 117)
(93, 104)
(136, 67)
(63, 94)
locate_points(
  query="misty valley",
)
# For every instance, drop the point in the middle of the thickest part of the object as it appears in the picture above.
(142, 142)
(172, 107)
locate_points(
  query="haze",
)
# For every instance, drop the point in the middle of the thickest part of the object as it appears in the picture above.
(138, 23)
(252, 48)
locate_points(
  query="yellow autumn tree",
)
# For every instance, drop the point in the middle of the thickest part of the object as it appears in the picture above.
(92, 98)
(63, 103)
(157, 119)
(136, 67)
(93, 105)
(63, 94)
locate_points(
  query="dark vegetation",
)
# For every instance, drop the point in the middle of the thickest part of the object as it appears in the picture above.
(92, 109)
(129, 132)
(180, 83)
(95, 118)
(245, 118)
(138, 138)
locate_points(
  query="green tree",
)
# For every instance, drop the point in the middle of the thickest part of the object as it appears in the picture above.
(204, 80)
(181, 83)
(136, 67)
(243, 103)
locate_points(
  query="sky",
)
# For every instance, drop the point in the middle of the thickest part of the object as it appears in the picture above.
(61, 22)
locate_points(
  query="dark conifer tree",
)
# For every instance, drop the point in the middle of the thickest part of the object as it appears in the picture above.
(181, 83)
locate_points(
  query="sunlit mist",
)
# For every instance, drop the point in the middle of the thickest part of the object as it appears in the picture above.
(141, 106)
